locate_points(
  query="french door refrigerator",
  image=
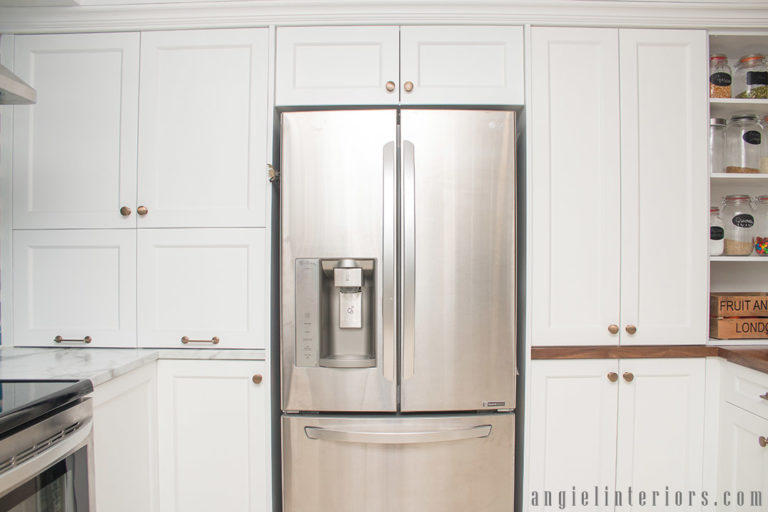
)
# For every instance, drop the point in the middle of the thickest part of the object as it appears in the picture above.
(398, 310)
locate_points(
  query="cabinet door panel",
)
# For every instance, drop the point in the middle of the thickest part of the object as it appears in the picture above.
(212, 436)
(202, 283)
(75, 150)
(75, 283)
(743, 463)
(462, 65)
(202, 128)
(575, 208)
(664, 186)
(572, 439)
(661, 425)
(337, 65)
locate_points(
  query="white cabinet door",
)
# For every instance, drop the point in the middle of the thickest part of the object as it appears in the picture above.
(202, 284)
(575, 184)
(213, 436)
(572, 431)
(742, 462)
(75, 150)
(461, 66)
(203, 128)
(337, 66)
(664, 196)
(661, 425)
(74, 284)
(125, 442)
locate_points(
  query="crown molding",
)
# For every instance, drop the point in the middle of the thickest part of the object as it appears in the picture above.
(736, 15)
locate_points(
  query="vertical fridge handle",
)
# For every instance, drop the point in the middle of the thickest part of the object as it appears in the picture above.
(388, 267)
(408, 258)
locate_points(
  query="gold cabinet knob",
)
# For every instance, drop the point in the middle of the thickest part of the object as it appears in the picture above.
(408, 86)
(613, 376)
(631, 329)
(257, 378)
(142, 210)
(391, 86)
(125, 211)
(613, 329)
(763, 441)
(628, 376)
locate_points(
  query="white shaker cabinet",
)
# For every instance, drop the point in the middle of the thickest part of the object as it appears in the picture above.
(202, 288)
(618, 186)
(213, 436)
(74, 287)
(743, 455)
(203, 128)
(615, 423)
(74, 153)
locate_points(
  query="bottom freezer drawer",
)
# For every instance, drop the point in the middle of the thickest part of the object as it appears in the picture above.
(404, 464)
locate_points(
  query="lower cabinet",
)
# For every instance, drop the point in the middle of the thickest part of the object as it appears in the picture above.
(213, 436)
(612, 425)
(743, 458)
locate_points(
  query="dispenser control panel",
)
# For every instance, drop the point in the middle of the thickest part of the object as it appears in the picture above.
(307, 312)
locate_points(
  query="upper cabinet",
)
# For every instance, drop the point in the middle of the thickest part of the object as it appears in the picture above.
(407, 65)
(618, 182)
(203, 128)
(75, 150)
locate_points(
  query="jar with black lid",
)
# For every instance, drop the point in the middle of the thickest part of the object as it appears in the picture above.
(751, 77)
(743, 144)
(739, 221)
(720, 76)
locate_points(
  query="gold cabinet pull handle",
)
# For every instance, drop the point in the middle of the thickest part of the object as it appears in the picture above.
(764, 396)
(631, 329)
(142, 210)
(613, 376)
(125, 211)
(257, 378)
(628, 376)
(408, 86)
(59, 339)
(763, 441)
(390, 86)
(215, 340)
(613, 329)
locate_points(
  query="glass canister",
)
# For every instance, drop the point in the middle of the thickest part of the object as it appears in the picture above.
(751, 77)
(760, 231)
(716, 232)
(720, 76)
(738, 224)
(743, 144)
(716, 144)
(764, 152)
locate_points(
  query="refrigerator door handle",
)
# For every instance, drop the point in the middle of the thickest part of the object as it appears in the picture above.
(388, 267)
(408, 259)
(367, 437)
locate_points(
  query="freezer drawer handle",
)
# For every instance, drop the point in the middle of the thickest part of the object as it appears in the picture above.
(436, 436)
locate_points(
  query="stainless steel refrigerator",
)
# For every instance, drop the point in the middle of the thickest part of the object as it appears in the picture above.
(398, 310)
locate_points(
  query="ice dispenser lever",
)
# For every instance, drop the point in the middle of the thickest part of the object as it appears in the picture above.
(349, 281)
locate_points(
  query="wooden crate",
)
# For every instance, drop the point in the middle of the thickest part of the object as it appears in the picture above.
(738, 304)
(738, 328)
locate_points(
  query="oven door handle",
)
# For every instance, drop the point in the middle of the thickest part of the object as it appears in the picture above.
(40, 462)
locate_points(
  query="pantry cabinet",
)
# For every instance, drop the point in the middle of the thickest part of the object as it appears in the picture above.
(628, 422)
(388, 65)
(213, 436)
(743, 456)
(618, 187)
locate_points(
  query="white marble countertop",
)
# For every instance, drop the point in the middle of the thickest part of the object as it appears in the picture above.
(98, 364)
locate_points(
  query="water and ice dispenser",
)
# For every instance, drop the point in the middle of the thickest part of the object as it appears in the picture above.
(335, 313)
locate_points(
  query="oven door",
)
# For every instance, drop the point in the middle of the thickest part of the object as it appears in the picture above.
(52, 467)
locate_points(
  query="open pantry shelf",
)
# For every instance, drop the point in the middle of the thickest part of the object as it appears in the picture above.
(725, 107)
(756, 259)
(738, 179)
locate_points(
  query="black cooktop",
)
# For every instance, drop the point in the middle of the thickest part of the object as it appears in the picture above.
(25, 402)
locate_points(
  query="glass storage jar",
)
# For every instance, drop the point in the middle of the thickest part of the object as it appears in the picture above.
(738, 221)
(751, 77)
(720, 76)
(743, 144)
(760, 231)
(764, 152)
(716, 144)
(716, 232)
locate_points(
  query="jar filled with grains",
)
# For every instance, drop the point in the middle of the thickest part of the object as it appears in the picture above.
(761, 226)
(716, 144)
(738, 224)
(743, 144)
(716, 232)
(720, 76)
(751, 77)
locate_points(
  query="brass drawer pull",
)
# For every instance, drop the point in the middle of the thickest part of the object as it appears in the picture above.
(390, 86)
(59, 339)
(628, 376)
(764, 396)
(408, 86)
(631, 329)
(613, 329)
(613, 376)
(257, 378)
(215, 340)
(125, 211)
(142, 210)
(763, 441)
